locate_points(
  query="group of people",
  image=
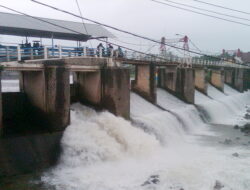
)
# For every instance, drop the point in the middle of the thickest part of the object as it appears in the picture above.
(37, 48)
(109, 51)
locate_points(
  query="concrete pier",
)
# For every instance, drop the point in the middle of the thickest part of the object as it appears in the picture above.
(89, 87)
(116, 91)
(217, 79)
(169, 76)
(107, 88)
(246, 79)
(185, 84)
(238, 79)
(144, 83)
(178, 81)
(229, 76)
(201, 81)
(49, 92)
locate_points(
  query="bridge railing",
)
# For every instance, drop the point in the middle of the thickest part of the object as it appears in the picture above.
(8, 53)
(19, 53)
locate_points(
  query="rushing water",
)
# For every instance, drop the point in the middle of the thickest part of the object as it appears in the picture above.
(174, 143)
(101, 151)
(224, 108)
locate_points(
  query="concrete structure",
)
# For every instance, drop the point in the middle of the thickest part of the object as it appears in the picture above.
(228, 74)
(29, 153)
(107, 88)
(89, 87)
(41, 111)
(178, 81)
(169, 78)
(201, 81)
(246, 79)
(144, 83)
(46, 90)
(234, 78)
(238, 83)
(185, 84)
(49, 92)
(217, 79)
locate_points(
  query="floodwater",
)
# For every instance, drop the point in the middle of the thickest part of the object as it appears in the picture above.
(190, 147)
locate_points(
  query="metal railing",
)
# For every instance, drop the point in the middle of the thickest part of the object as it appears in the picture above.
(20, 53)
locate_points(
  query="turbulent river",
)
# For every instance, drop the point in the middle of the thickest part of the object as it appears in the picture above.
(168, 146)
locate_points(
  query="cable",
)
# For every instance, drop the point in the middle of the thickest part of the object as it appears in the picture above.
(204, 14)
(36, 18)
(79, 9)
(195, 45)
(131, 43)
(223, 14)
(227, 8)
(114, 28)
(149, 49)
(146, 38)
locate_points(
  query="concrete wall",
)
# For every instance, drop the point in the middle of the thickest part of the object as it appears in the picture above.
(27, 154)
(178, 81)
(89, 87)
(161, 77)
(229, 76)
(185, 84)
(16, 114)
(144, 83)
(217, 79)
(246, 79)
(108, 88)
(167, 78)
(238, 79)
(33, 84)
(201, 81)
(116, 91)
(171, 78)
(234, 78)
(49, 91)
(57, 96)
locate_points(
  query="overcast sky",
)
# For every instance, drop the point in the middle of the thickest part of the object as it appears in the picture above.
(152, 20)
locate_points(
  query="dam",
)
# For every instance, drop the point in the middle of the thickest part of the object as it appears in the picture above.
(84, 121)
(160, 114)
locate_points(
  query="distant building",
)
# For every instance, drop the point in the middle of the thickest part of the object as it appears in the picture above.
(245, 57)
(237, 55)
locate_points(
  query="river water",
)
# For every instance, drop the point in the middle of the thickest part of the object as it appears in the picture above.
(171, 146)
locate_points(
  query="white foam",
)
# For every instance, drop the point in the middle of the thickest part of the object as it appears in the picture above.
(226, 109)
(229, 90)
(201, 98)
(101, 151)
(214, 93)
(162, 124)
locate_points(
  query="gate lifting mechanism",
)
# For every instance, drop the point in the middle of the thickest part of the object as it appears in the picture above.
(186, 60)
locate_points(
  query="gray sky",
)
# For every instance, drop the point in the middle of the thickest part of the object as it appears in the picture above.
(153, 20)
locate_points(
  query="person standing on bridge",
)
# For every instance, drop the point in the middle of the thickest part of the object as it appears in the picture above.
(110, 50)
(100, 50)
(120, 52)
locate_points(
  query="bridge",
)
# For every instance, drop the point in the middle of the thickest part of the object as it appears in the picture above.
(17, 54)
(101, 76)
